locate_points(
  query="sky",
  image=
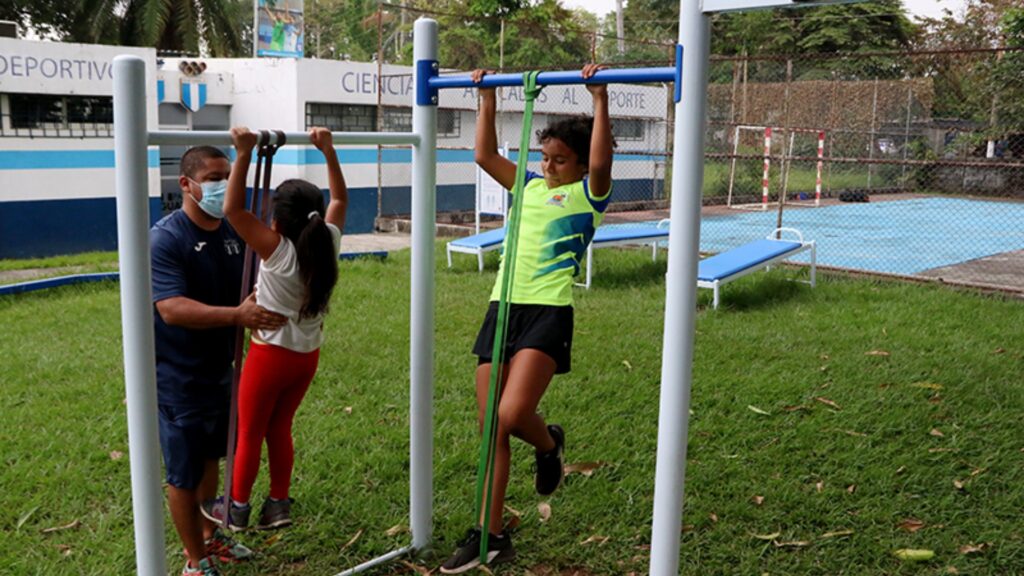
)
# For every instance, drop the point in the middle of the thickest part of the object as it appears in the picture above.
(928, 8)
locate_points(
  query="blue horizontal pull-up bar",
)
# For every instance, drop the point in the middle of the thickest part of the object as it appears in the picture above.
(615, 76)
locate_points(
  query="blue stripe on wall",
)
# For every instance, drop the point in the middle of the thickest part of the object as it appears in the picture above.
(51, 227)
(65, 159)
(69, 159)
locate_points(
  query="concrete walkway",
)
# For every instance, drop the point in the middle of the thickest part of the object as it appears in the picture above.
(378, 242)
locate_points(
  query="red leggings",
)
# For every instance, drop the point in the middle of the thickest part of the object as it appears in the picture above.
(274, 381)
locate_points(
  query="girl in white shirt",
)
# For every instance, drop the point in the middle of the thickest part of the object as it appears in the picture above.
(298, 270)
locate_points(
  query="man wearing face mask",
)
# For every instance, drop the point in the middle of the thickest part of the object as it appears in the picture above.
(197, 276)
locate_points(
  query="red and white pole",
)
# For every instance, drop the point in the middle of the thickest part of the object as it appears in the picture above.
(767, 166)
(821, 157)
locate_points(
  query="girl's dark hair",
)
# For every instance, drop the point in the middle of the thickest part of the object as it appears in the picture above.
(299, 212)
(575, 131)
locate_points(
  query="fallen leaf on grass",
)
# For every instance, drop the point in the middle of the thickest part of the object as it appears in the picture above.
(914, 555)
(973, 548)
(272, 540)
(855, 433)
(952, 570)
(934, 450)
(999, 350)
(757, 500)
(757, 410)
(74, 524)
(483, 568)
(713, 517)
(767, 537)
(937, 433)
(827, 402)
(515, 518)
(116, 454)
(977, 471)
(417, 569)
(928, 385)
(793, 544)
(64, 549)
(837, 534)
(348, 409)
(819, 486)
(629, 367)
(851, 488)
(353, 540)
(794, 408)
(24, 518)
(876, 353)
(584, 468)
(396, 530)
(544, 509)
(901, 469)
(958, 484)
(595, 538)
(910, 525)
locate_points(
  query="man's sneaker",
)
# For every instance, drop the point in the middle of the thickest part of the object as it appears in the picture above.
(550, 468)
(206, 568)
(467, 555)
(226, 549)
(275, 514)
(213, 510)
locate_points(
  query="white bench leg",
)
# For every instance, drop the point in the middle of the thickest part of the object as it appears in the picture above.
(814, 263)
(480, 260)
(715, 297)
(448, 249)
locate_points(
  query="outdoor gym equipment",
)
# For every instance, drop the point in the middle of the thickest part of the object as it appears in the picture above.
(131, 138)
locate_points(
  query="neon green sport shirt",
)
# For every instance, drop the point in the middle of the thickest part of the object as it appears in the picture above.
(556, 227)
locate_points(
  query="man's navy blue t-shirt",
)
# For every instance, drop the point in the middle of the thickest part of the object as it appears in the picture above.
(193, 367)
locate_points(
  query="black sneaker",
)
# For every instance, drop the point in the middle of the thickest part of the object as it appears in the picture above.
(550, 468)
(467, 555)
(275, 514)
(213, 510)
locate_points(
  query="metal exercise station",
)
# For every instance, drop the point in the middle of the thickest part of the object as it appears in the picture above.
(131, 142)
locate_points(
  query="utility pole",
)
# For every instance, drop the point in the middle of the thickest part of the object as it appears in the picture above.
(620, 27)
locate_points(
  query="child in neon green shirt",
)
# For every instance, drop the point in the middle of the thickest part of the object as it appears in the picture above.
(561, 209)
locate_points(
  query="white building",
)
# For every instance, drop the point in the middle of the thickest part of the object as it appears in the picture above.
(56, 135)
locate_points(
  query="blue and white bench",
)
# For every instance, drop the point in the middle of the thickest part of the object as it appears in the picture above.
(715, 271)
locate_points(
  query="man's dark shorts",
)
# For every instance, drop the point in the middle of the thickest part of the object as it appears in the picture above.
(545, 328)
(189, 437)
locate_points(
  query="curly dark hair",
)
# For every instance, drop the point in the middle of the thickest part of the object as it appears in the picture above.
(575, 132)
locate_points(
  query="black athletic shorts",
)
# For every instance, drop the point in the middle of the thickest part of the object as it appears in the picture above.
(544, 328)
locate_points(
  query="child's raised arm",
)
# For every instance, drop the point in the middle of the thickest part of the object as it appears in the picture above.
(486, 155)
(336, 209)
(600, 169)
(256, 234)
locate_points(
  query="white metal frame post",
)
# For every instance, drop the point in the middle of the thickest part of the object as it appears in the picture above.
(680, 289)
(131, 184)
(421, 341)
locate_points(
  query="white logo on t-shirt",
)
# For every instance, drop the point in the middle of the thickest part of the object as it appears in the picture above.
(232, 247)
(199, 246)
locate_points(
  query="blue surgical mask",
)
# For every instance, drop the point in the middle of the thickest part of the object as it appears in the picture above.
(213, 197)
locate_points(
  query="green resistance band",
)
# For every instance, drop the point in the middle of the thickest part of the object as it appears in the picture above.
(485, 469)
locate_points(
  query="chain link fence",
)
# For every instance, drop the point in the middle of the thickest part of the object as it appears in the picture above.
(898, 163)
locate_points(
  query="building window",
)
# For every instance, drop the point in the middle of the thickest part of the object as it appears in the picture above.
(628, 129)
(342, 117)
(61, 116)
(396, 120)
(449, 123)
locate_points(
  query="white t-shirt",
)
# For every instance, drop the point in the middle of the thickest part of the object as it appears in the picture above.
(280, 289)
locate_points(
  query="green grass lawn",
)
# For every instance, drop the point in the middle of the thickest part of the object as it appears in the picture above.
(829, 428)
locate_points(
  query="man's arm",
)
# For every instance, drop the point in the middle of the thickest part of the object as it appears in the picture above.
(192, 314)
